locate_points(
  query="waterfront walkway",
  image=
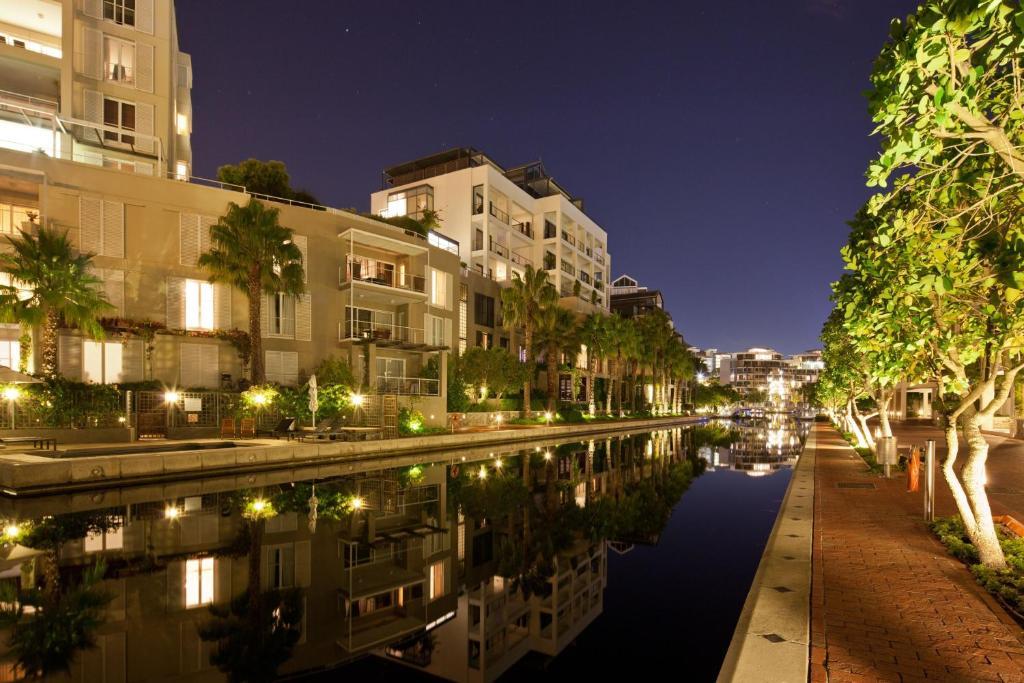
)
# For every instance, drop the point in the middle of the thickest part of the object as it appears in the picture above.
(888, 603)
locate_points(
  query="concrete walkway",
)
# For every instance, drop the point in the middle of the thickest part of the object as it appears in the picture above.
(888, 603)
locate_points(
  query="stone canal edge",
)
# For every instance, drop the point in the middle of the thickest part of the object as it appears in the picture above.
(772, 637)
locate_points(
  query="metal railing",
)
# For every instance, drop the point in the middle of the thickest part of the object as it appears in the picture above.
(569, 239)
(518, 260)
(568, 268)
(584, 277)
(378, 273)
(480, 270)
(30, 45)
(118, 73)
(408, 386)
(499, 214)
(499, 249)
(379, 331)
(522, 227)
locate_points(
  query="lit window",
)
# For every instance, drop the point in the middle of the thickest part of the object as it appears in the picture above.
(14, 217)
(182, 124)
(181, 170)
(440, 285)
(282, 566)
(199, 582)
(102, 362)
(119, 11)
(10, 354)
(436, 580)
(282, 315)
(119, 60)
(198, 305)
(118, 114)
(112, 539)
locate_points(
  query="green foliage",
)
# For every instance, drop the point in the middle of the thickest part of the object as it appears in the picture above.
(334, 370)
(1006, 584)
(410, 422)
(714, 395)
(50, 532)
(571, 415)
(494, 368)
(59, 402)
(46, 631)
(263, 177)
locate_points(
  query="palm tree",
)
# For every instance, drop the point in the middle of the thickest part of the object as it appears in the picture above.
(255, 254)
(656, 330)
(595, 333)
(557, 333)
(55, 285)
(521, 305)
(622, 340)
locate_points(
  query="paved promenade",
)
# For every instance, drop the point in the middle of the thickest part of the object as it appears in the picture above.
(888, 603)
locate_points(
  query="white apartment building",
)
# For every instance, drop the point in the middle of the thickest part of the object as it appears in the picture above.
(96, 81)
(505, 219)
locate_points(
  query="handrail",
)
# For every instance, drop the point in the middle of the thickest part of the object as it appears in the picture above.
(379, 331)
(408, 386)
(373, 272)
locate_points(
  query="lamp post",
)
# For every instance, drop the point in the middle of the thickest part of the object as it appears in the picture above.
(11, 394)
(170, 398)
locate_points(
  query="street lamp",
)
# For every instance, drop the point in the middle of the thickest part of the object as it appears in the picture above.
(11, 395)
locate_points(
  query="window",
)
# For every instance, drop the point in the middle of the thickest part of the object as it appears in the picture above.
(436, 580)
(12, 216)
(113, 539)
(119, 11)
(483, 310)
(463, 314)
(282, 367)
(102, 362)
(412, 202)
(282, 315)
(483, 340)
(199, 305)
(182, 120)
(281, 566)
(365, 322)
(118, 60)
(440, 288)
(10, 354)
(118, 114)
(434, 330)
(390, 367)
(478, 199)
(199, 582)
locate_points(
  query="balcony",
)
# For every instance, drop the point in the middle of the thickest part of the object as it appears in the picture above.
(379, 274)
(524, 228)
(499, 214)
(499, 249)
(384, 333)
(568, 268)
(438, 240)
(408, 386)
(518, 260)
(568, 239)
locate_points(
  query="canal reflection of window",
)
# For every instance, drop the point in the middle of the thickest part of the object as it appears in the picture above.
(281, 564)
(112, 539)
(436, 580)
(199, 582)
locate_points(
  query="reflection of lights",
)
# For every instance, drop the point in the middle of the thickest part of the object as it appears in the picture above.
(547, 455)
(482, 473)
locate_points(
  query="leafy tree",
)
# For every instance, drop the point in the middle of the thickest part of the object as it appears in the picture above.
(60, 288)
(522, 305)
(495, 368)
(255, 254)
(557, 333)
(334, 370)
(268, 178)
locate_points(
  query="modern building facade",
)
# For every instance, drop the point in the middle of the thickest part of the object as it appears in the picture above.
(629, 299)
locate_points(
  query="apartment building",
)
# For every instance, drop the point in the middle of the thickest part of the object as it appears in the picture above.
(504, 219)
(96, 81)
(630, 299)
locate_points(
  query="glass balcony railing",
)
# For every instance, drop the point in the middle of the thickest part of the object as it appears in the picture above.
(408, 386)
(383, 274)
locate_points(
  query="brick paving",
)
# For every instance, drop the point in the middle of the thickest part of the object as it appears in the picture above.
(887, 602)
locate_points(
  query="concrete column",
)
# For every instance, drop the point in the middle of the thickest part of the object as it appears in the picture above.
(370, 368)
(442, 377)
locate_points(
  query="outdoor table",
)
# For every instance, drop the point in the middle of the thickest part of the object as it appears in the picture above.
(37, 441)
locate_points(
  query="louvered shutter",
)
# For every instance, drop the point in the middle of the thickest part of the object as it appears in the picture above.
(70, 356)
(144, 16)
(302, 243)
(113, 287)
(90, 222)
(91, 63)
(176, 303)
(205, 223)
(264, 315)
(448, 332)
(144, 67)
(273, 366)
(188, 228)
(144, 124)
(222, 580)
(190, 362)
(93, 8)
(289, 367)
(113, 229)
(222, 306)
(142, 168)
(210, 357)
(175, 585)
(302, 564)
(132, 361)
(92, 110)
(304, 317)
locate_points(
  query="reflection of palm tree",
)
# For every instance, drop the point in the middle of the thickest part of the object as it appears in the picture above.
(45, 638)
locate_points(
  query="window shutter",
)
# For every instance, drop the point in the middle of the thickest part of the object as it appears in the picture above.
(302, 564)
(144, 16)
(144, 124)
(113, 287)
(222, 579)
(265, 315)
(175, 585)
(176, 303)
(273, 365)
(449, 291)
(448, 332)
(142, 168)
(302, 243)
(289, 367)
(90, 213)
(304, 317)
(144, 67)
(92, 110)
(113, 229)
(205, 224)
(188, 228)
(189, 370)
(210, 355)
(91, 64)
(70, 356)
(93, 8)
(222, 306)
(132, 361)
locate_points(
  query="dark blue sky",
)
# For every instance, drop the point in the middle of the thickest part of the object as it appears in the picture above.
(722, 144)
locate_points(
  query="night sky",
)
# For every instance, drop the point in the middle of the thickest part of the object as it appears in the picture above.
(721, 144)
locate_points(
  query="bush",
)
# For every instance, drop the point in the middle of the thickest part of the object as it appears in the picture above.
(1006, 584)
(570, 414)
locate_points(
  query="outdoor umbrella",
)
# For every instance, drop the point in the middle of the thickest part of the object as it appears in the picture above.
(8, 376)
(314, 405)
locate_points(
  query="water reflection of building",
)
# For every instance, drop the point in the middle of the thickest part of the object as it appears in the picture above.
(407, 575)
(758, 448)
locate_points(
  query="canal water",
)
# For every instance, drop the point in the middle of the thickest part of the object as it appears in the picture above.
(581, 558)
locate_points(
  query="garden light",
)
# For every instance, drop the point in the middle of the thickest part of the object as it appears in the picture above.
(11, 393)
(357, 503)
(12, 531)
(547, 455)
(415, 426)
(170, 397)
(259, 399)
(547, 417)
(356, 400)
(497, 463)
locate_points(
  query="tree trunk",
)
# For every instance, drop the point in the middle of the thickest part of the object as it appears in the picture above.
(49, 340)
(256, 527)
(885, 400)
(853, 427)
(528, 382)
(590, 384)
(552, 373)
(990, 553)
(51, 573)
(256, 365)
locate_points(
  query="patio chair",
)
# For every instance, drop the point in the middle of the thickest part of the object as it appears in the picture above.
(227, 428)
(247, 428)
(285, 427)
(325, 429)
